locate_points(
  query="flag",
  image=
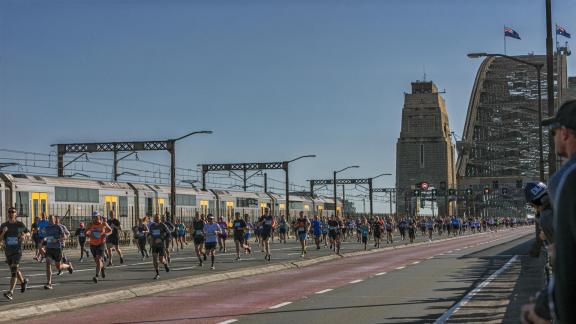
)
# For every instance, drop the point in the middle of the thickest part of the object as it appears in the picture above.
(562, 32)
(511, 33)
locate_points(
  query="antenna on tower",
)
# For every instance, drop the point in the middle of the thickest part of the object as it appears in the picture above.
(424, 70)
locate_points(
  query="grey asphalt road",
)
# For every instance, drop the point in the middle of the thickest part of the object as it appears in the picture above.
(136, 271)
(419, 293)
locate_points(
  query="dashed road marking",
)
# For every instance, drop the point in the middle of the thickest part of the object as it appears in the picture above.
(428, 258)
(323, 291)
(228, 321)
(399, 268)
(279, 305)
(356, 281)
(380, 274)
(415, 262)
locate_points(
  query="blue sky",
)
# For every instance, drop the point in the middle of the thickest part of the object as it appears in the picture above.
(273, 79)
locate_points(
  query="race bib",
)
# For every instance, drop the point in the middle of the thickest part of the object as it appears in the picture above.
(12, 240)
(82, 235)
(156, 232)
(268, 222)
(301, 229)
(96, 234)
(199, 232)
(50, 239)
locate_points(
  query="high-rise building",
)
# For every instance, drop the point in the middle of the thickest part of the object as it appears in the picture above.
(424, 151)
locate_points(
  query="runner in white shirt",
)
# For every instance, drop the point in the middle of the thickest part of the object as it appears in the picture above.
(211, 231)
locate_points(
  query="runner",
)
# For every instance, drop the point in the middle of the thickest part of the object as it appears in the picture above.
(334, 232)
(211, 232)
(198, 235)
(13, 232)
(389, 228)
(113, 240)
(364, 229)
(303, 226)
(81, 235)
(55, 237)
(67, 235)
(325, 230)
(169, 236)
(247, 233)
(411, 230)
(42, 224)
(159, 233)
(402, 228)
(317, 231)
(36, 238)
(97, 232)
(223, 235)
(181, 232)
(266, 222)
(377, 229)
(282, 229)
(239, 227)
(141, 233)
(430, 228)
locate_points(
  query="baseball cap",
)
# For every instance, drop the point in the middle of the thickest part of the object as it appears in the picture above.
(565, 116)
(95, 214)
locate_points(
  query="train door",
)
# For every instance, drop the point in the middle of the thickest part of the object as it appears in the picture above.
(320, 210)
(204, 207)
(110, 204)
(160, 205)
(263, 206)
(39, 204)
(229, 210)
(307, 210)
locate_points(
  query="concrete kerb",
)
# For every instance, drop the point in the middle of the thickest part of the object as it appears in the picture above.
(26, 310)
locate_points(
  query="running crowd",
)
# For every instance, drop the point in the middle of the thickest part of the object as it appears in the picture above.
(159, 237)
(555, 204)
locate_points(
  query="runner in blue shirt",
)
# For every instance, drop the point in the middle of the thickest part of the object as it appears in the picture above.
(54, 238)
(317, 231)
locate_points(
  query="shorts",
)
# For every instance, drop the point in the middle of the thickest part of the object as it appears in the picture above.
(13, 258)
(159, 249)
(167, 243)
(97, 250)
(182, 234)
(266, 235)
(210, 245)
(82, 241)
(54, 254)
(377, 234)
(247, 236)
(198, 240)
(224, 235)
(334, 235)
(112, 241)
(364, 239)
(282, 230)
(302, 236)
(239, 237)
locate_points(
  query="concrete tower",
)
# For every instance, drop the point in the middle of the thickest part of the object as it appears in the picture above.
(424, 151)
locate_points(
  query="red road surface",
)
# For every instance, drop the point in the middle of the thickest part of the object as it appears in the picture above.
(216, 302)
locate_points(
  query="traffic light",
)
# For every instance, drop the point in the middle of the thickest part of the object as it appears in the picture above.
(451, 192)
(434, 192)
(486, 191)
(469, 192)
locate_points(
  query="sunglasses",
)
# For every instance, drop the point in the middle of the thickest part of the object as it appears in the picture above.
(12, 211)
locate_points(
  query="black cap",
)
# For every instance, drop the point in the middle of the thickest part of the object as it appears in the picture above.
(565, 116)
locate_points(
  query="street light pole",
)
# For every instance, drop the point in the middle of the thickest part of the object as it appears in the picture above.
(285, 167)
(172, 150)
(335, 190)
(538, 68)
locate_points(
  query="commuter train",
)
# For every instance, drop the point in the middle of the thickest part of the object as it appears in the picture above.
(74, 200)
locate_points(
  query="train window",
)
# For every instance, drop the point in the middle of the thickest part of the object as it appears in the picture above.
(247, 202)
(123, 206)
(22, 203)
(185, 200)
(76, 195)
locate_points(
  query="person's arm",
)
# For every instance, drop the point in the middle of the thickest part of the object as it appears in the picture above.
(3, 230)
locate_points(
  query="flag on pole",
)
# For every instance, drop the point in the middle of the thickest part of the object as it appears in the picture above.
(562, 31)
(511, 33)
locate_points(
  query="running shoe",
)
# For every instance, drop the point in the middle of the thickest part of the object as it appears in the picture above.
(156, 277)
(70, 268)
(95, 279)
(8, 295)
(59, 273)
(166, 268)
(24, 286)
(48, 286)
(212, 267)
(103, 272)
(121, 260)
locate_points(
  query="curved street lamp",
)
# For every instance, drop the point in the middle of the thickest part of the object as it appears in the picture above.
(335, 190)
(286, 163)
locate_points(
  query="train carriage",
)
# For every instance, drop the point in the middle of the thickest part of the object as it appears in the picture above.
(298, 203)
(188, 201)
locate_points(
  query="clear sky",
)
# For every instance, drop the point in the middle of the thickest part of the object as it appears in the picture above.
(273, 79)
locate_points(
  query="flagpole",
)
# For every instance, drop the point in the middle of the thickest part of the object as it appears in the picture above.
(504, 39)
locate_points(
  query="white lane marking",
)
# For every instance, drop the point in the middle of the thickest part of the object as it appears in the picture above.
(356, 281)
(399, 268)
(428, 258)
(449, 252)
(323, 291)
(415, 262)
(380, 274)
(280, 305)
(228, 321)
(39, 286)
(458, 249)
(470, 295)
(185, 268)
